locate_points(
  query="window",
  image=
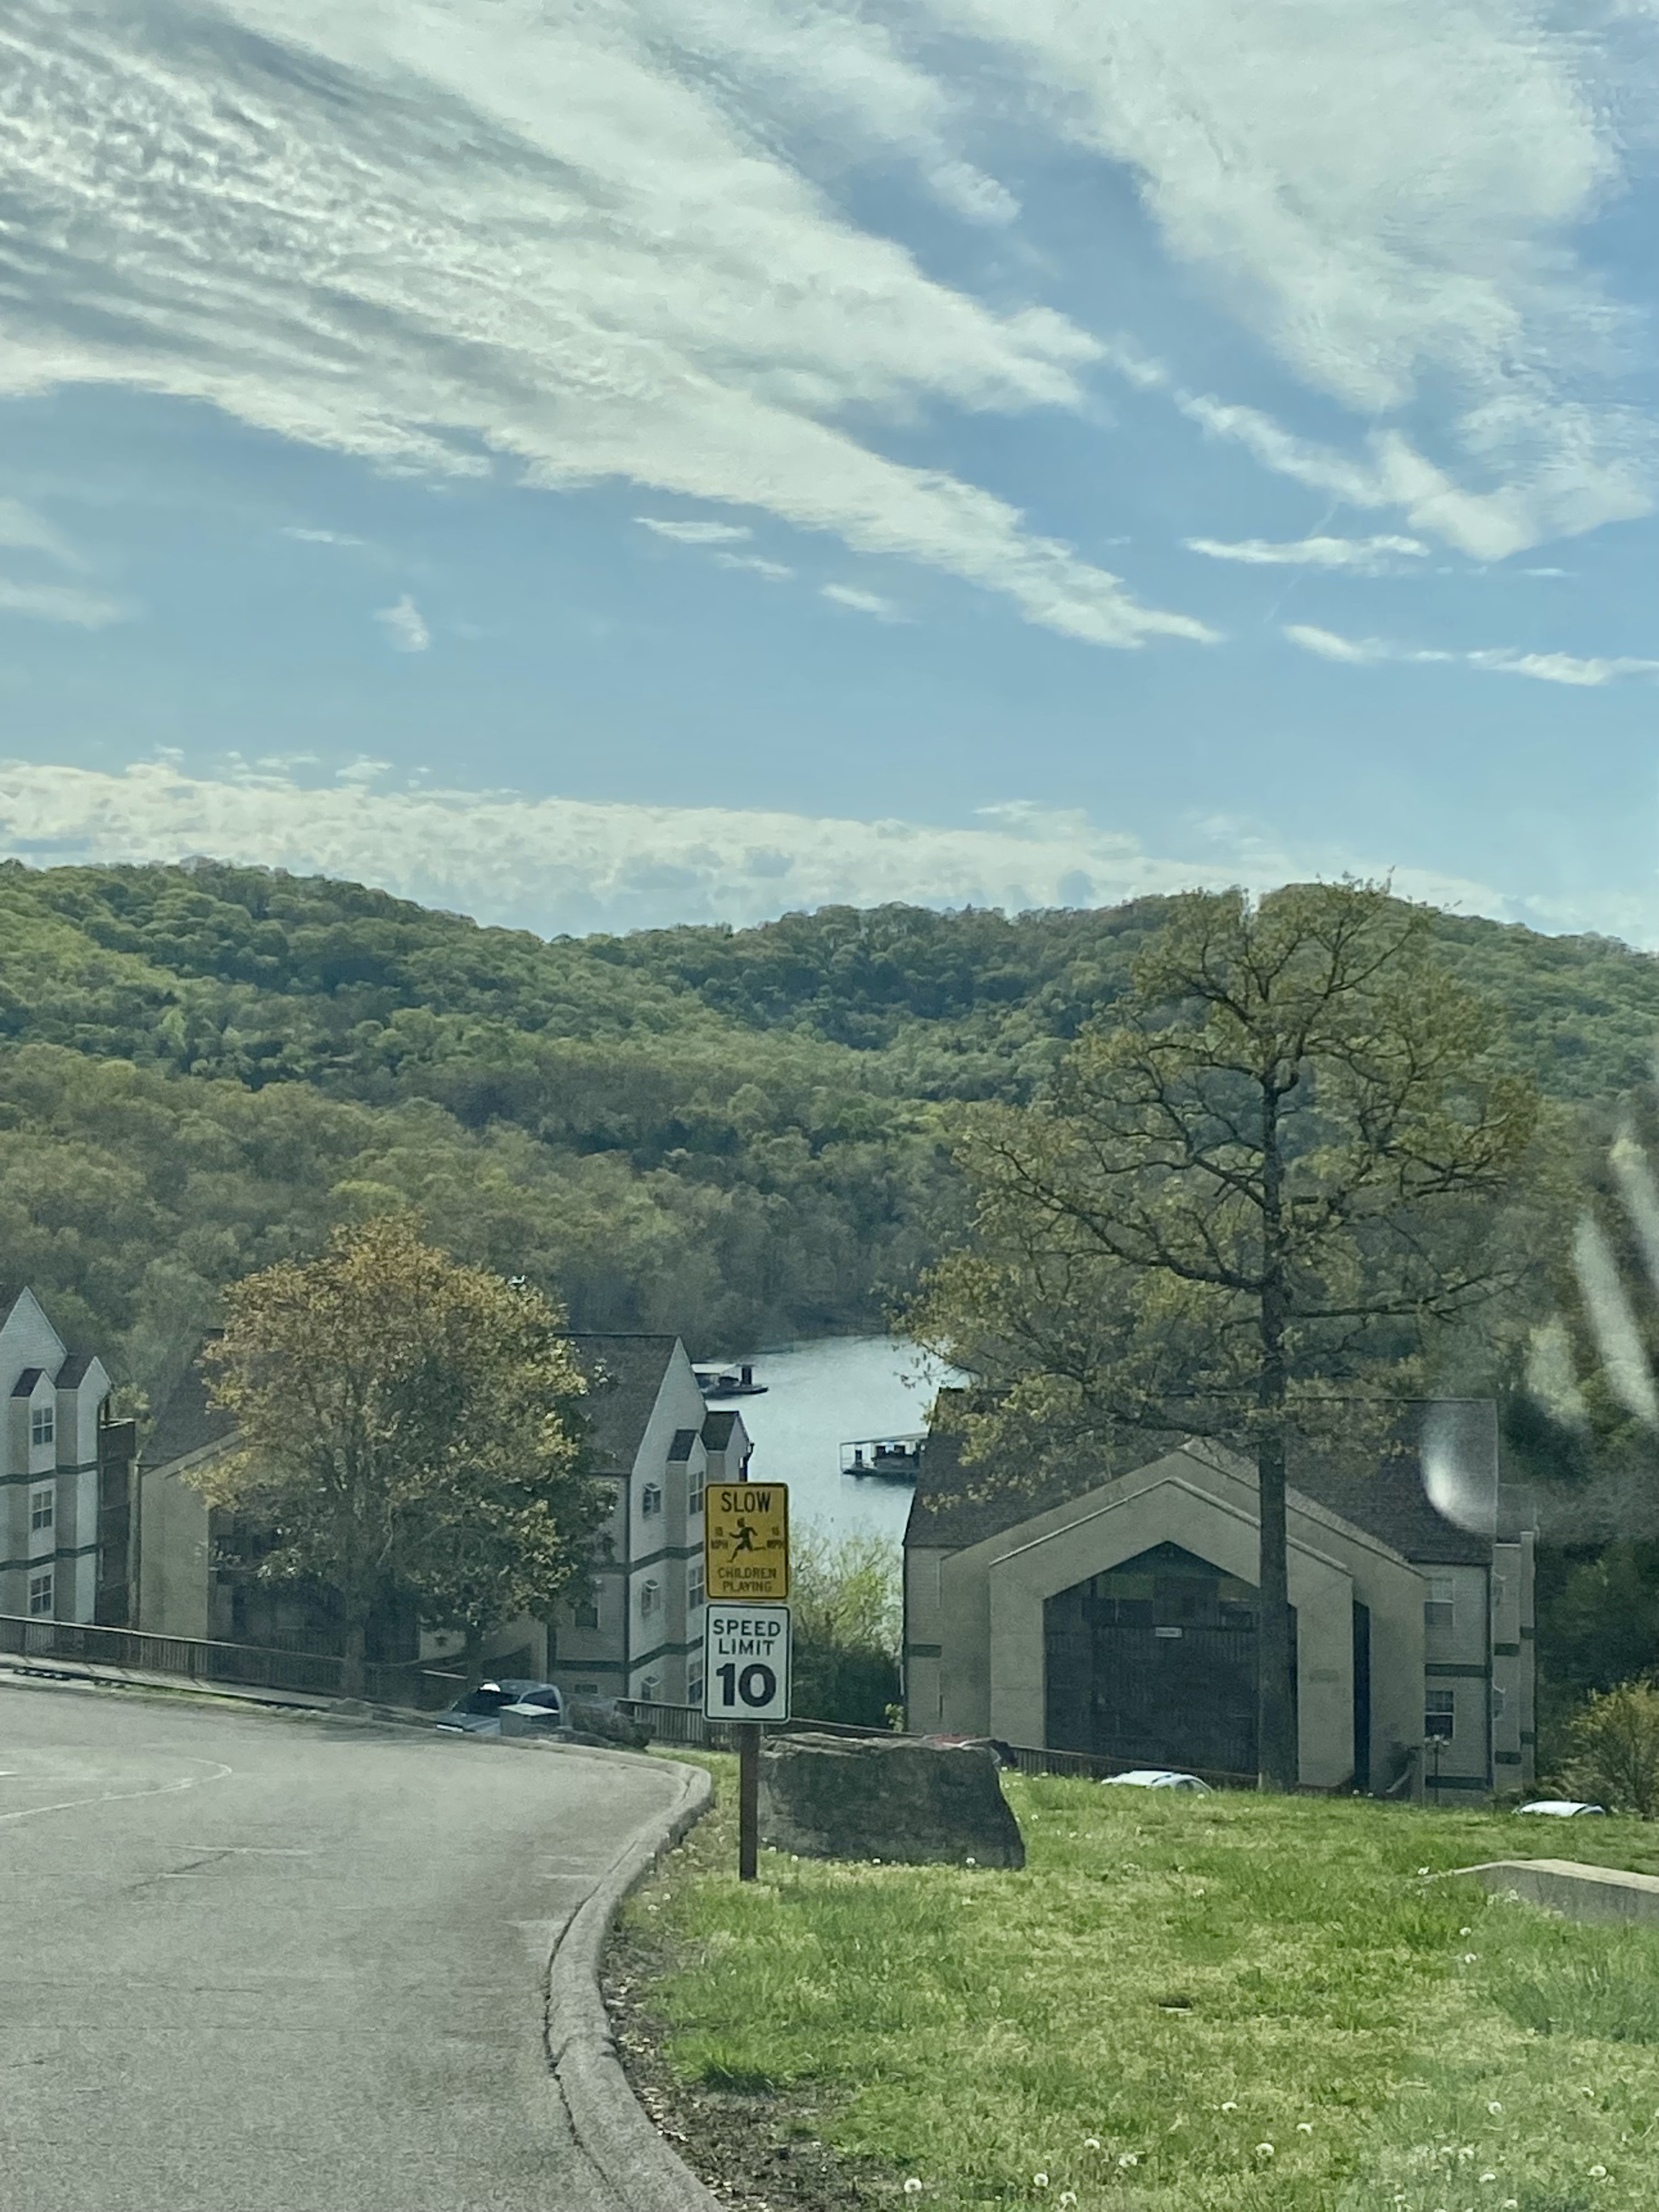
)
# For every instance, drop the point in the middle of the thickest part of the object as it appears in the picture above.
(1498, 1695)
(694, 1589)
(650, 1596)
(1440, 1607)
(43, 1508)
(43, 1425)
(651, 1690)
(41, 1592)
(651, 1498)
(1440, 1714)
(693, 1686)
(694, 1497)
(587, 1614)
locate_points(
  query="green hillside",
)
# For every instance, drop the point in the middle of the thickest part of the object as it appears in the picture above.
(736, 1134)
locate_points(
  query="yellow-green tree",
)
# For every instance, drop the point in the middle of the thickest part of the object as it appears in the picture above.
(1244, 1206)
(407, 1425)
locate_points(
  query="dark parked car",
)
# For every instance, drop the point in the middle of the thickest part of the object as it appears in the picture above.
(538, 1705)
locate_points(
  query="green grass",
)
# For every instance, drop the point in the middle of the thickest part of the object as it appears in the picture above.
(1171, 1986)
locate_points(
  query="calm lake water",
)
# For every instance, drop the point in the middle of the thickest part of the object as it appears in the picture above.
(821, 1396)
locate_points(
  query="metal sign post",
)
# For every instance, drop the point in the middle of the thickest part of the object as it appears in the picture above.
(745, 1679)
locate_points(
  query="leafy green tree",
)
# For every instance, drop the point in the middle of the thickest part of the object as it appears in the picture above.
(1614, 1749)
(1244, 1206)
(406, 1425)
(845, 1607)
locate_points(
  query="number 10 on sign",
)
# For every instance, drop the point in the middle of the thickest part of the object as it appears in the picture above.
(746, 1667)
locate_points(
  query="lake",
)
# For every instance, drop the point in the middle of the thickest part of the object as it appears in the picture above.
(823, 1394)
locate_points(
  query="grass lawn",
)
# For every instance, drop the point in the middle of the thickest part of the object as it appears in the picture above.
(1215, 2004)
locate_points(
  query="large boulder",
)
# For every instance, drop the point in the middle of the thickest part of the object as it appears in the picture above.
(886, 1797)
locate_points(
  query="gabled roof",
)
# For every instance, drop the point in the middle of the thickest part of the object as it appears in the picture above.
(625, 1376)
(186, 1424)
(680, 1448)
(955, 1505)
(717, 1431)
(24, 1386)
(73, 1370)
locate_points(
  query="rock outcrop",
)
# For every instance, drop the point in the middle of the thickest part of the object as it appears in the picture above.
(891, 1798)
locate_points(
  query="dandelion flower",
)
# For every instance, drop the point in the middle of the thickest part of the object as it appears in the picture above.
(1470, 1957)
(1489, 2177)
(1598, 2174)
(1129, 2158)
(1494, 2107)
(1067, 2197)
(1304, 2127)
(1422, 1869)
(1039, 2181)
(1091, 2142)
(1466, 1931)
(913, 2185)
(1230, 2107)
(1264, 2150)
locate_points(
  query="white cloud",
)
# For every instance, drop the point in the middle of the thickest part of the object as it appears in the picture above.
(456, 234)
(775, 572)
(321, 537)
(697, 533)
(1367, 555)
(1543, 668)
(1390, 196)
(404, 626)
(23, 530)
(862, 602)
(62, 603)
(552, 864)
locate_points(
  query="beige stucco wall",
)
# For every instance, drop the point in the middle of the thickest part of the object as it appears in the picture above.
(174, 1562)
(982, 1606)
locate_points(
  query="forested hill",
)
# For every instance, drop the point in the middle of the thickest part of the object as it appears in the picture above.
(732, 1133)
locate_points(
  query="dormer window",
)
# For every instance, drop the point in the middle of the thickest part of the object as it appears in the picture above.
(651, 1498)
(43, 1425)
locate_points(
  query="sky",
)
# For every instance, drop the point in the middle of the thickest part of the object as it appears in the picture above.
(594, 464)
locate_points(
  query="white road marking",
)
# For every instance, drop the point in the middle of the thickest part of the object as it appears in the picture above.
(121, 1797)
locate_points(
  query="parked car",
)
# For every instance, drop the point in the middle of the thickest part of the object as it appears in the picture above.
(1157, 1777)
(1562, 1809)
(537, 1706)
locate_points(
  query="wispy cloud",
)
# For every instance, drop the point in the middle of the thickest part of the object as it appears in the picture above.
(1366, 556)
(775, 572)
(697, 533)
(552, 864)
(62, 603)
(1390, 196)
(621, 272)
(404, 626)
(23, 530)
(862, 602)
(1543, 668)
(320, 536)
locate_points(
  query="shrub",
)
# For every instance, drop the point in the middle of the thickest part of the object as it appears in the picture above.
(1613, 1744)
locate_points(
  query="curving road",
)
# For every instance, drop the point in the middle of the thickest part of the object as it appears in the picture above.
(254, 1962)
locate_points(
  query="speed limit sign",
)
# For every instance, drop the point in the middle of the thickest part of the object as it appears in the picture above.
(746, 1664)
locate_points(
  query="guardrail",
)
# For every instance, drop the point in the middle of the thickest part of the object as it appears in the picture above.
(685, 1724)
(248, 1666)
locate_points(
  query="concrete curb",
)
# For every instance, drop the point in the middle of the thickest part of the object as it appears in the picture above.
(1570, 1887)
(609, 2121)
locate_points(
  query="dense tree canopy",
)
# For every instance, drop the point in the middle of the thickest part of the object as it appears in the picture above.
(736, 1134)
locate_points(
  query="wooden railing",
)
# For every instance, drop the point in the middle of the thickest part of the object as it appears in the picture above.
(246, 1666)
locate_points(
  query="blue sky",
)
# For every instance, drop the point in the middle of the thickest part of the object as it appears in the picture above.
(594, 463)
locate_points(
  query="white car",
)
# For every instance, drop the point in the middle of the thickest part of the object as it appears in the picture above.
(1564, 1808)
(1157, 1777)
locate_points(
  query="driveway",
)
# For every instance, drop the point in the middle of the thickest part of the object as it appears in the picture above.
(252, 1962)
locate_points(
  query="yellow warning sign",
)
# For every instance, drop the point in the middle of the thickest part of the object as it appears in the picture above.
(745, 1540)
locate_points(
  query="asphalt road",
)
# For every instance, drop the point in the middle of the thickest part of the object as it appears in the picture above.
(262, 1963)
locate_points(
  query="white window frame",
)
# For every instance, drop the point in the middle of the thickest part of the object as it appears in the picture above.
(1439, 1704)
(650, 1500)
(694, 1496)
(1440, 1606)
(43, 1508)
(695, 1592)
(581, 1608)
(43, 1426)
(43, 1594)
(650, 1596)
